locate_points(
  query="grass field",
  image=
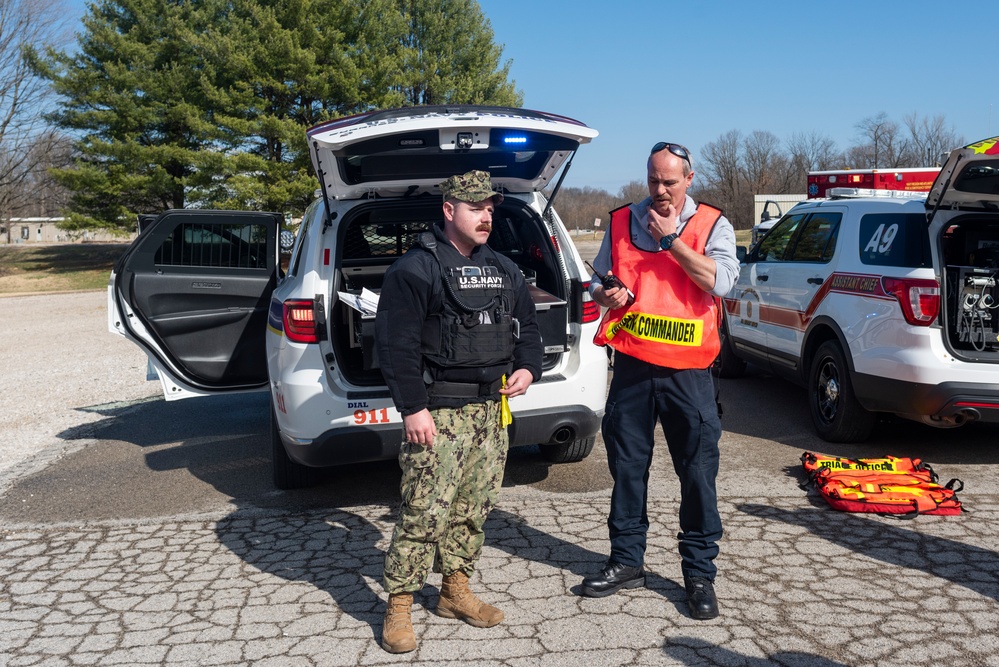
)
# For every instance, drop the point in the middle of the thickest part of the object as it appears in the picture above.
(26, 269)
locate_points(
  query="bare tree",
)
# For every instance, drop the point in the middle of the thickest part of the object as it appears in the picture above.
(810, 152)
(38, 193)
(722, 178)
(885, 145)
(765, 166)
(633, 192)
(931, 138)
(24, 24)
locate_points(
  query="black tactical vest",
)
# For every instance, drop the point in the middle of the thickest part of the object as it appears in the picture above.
(477, 328)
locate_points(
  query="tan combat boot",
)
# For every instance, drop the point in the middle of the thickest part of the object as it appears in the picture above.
(457, 601)
(397, 630)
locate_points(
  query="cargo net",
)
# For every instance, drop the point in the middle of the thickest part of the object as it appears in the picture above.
(372, 240)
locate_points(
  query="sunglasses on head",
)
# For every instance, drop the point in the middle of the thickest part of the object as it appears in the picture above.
(676, 149)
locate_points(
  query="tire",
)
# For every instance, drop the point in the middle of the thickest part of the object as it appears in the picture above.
(728, 365)
(568, 452)
(287, 473)
(836, 413)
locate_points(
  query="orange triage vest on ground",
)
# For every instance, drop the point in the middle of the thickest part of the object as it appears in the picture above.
(887, 485)
(673, 322)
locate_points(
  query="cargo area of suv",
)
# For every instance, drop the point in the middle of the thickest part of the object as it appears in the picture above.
(969, 294)
(372, 237)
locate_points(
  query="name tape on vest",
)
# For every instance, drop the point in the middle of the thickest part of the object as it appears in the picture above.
(668, 330)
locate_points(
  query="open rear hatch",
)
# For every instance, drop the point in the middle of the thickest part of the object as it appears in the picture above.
(409, 151)
(395, 160)
(963, 214)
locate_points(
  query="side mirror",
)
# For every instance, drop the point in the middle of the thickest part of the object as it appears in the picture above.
(741, 251)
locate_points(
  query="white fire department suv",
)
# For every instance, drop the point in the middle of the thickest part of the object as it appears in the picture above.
(202, 292)
(880, 304)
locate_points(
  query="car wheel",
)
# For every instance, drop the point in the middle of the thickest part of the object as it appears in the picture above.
(727, 365)
(836, 413)
(568, 452)
(287, 473)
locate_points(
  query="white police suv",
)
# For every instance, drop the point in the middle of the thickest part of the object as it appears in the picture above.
(880, 303)
(204, 293)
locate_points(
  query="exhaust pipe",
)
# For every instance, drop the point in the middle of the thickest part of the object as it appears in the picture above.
(954, 419)
(563, 435)
(966, 416)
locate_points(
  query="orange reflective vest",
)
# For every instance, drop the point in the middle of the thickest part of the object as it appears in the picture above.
(888, 485)
(672, 322)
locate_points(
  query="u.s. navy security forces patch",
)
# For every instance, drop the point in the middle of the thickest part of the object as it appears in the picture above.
(479, 277)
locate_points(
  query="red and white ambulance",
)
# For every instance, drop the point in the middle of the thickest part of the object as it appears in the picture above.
(917, 179)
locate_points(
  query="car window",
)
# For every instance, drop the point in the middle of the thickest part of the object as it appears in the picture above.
(817, 239)
(236, 246)
(894, 239)
(774, 245)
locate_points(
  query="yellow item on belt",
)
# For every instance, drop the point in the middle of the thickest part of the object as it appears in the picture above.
(506, 418)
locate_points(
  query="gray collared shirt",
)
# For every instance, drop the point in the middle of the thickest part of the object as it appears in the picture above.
(720, 245)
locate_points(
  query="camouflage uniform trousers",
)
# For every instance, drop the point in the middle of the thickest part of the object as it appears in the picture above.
(447, 492)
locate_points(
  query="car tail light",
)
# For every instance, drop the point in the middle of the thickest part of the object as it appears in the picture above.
(300, 321)
(919, 298)
(591, 310)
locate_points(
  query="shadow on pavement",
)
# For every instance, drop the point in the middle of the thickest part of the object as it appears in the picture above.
(764, 406)
(211, 457)
(155, 458)
(512, 534)
(693, 651)
(337, 552)
(893, 545)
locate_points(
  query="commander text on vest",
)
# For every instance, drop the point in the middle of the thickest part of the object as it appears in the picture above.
(457, 334)
(677, 258)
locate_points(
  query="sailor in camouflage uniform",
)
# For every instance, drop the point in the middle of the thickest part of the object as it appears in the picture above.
(454, 319)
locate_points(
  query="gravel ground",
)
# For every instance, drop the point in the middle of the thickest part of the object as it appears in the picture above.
(54, 377)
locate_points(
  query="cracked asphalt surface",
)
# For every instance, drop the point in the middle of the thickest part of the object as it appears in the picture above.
(139, 532)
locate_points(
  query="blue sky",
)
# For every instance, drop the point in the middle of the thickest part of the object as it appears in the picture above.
(641, 71)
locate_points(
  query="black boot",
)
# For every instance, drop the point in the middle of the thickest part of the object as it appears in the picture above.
(701, 600)
(613, 578)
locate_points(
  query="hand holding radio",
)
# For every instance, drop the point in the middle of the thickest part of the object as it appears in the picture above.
(612, 282)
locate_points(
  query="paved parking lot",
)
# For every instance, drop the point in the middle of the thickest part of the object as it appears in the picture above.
(138, 532)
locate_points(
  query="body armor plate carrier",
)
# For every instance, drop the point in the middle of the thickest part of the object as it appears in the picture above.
(476, 329)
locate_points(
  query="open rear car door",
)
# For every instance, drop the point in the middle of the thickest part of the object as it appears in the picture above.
(193, 291)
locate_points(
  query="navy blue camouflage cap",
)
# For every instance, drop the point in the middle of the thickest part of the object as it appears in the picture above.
(473, 186)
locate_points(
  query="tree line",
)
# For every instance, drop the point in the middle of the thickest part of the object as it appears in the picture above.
(733, 168)
(204, 103)
(166, 104)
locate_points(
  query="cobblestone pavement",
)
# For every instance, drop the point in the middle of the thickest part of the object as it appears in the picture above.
(255, 578)
(798, 585)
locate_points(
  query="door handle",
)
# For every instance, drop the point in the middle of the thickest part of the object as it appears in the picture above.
(763, 278)
(815, 281)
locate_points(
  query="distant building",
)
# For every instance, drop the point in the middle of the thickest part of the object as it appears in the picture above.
(46, 230)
